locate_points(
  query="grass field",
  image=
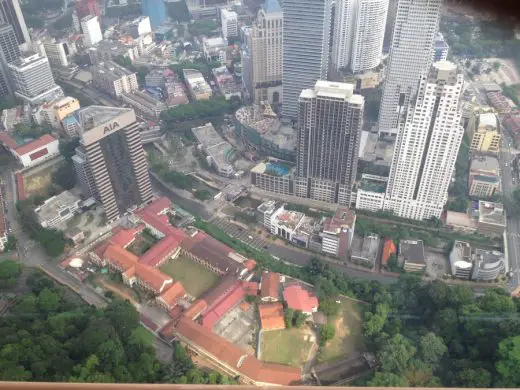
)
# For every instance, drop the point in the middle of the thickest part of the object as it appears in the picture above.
(38, 182)
(144, 336)
(194, 277)
(349, 332)
(288, 346)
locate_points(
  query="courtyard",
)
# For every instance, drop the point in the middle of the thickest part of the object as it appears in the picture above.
(287, 346)
(239, 326)
(194, 277)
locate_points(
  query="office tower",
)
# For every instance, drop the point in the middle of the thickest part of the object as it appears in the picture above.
(229, 21)
(306, 37)
(9, 52)
(415, 28)
(265, 49)
(116, 158)
(426, 147)
(87, 7)
(84, 175)
(59, 52)
(11, 13)
(156, 10)
(32, 79)
(359, 30)
(329, 131)
(390, 21)
(440, 48)
(91, 30)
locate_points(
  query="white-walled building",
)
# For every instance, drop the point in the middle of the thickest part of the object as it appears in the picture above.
(91, 30)
(34, 152)
(370, 193)
(113, 78)
(359, 31)
(229, 20)
(214, 49)
(416, 25)
(426, 148)
(59, 52)
(57, 209)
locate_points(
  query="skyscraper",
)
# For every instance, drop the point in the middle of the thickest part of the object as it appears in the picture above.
(359, 30)
(91, 30)
(116, 158)
(9, 52)
(306, 37)
(426, 147)
(11, 13)
(415, 28)
(32, 79)
(156, 10)
(266, 53)
(329, 132)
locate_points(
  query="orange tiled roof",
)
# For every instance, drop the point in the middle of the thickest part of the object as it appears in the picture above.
(389, 249)
(124, 237)
(152, 277)
(162, 249)
(270, 285)
(173, 293)
(271, 316)
(298, 298)
(195, 309)
(120, 257)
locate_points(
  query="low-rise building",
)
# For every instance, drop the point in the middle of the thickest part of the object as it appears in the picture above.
(486, 138)
(370, 193)
(155, 78)
(271, 316)
(16, 115)
(298, 298)
(31, 153)
(411, 255)
(226, 83)
(484, 176)
(462, 222)
(57, 209)
(365, 252)
(285, 223)
(476, 264)
(197, 86)
(144, 104)
(110, 50)
(264, 213)
(113, 78)
(273, 177)
(214, 49)
(491, 219)
(338, 232)
(220, 153)
(270, 287)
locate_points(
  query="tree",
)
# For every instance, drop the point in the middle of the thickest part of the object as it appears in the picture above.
(432, 349)
(9, 273)
(123, 317)
(387, 379)
(374, 322)
(11, 243)
(509, 361)
(396, 353)
(65, 176)
(329, 307)
(495, 302)
(288, 318)
(299, 318)
(64, 22)
(327, 332)
(470, 377)
(48, 300)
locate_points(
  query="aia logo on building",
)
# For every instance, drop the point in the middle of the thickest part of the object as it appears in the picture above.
(110, 127)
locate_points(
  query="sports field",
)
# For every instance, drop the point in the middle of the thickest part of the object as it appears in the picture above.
(287, 346)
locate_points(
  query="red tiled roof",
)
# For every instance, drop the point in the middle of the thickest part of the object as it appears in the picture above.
(158, 206)
(195, 309)
(231, 299)
(120, 257)
(271, 316)
(250, 288)
(31, 146)
(152, 277)
(161, 250)
(298, 298)
(222, 350)
(124, 237)
(270, 285)
(250, 264)
(8, 141)
(170, 296)
(389, 249)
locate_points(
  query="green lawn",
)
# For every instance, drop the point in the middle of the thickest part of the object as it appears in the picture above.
(349, 332)
(144, 336)
(194, 277)
(287, 346)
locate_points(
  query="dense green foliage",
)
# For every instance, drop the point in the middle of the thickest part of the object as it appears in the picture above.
(64, 21)
(9, 273)
(52, 241)
(314, 213)
(52, 336)
(327, 332)
(511, 92)
(141, 71)
(177, 10)
(84, 99)
(202, 27)
(201, 65)
(459, 188)
(197, 110)
(124, 11)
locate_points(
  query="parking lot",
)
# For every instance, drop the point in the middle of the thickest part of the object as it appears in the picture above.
(248, 236)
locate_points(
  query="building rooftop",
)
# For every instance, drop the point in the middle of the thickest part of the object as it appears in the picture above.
(214, 145)
(272, 6)
(270, 286)
(299, 298)
(56, 205)
(485, 163)
(366, 249)
(373, 183)
(145, 99)
(271, 316)
(120, 257)
(343, 218)
(412, 251)
(111, 70)
(488, 119)
(93, 116)
(288, 218)
(491, 213)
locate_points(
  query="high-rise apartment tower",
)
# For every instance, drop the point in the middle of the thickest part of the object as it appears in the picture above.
(11, 13)
(427, 146)
(116, 158)
(415, 28)
(9, 52)
(266, 52)
(359, 31)
(329, 130)
(306, 37)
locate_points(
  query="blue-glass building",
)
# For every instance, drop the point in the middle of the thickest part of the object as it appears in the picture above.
(156, 10)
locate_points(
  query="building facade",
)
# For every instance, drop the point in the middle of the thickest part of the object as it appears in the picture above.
(91, 30)
(32, 79)
(9, 52)
(229, 20)
(11, 13)
(306, 38)
(329, 131)
(266, 52)
(144, 103)
(359, 31)
(116, 157)
(156, 10)
(415, 28)
(113, 78)
(84, 174)
(426, 147)
(486, 138)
